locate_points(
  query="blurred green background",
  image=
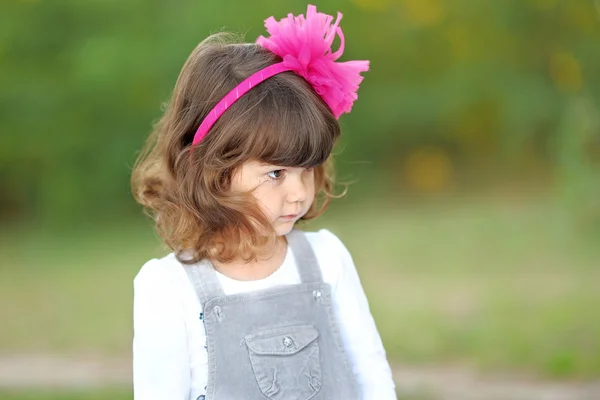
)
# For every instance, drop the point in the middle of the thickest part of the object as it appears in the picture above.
(473, 155)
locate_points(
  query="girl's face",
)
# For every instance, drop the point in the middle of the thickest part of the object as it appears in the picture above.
(284, 194)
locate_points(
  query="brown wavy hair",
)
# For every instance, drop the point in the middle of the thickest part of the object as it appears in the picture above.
(282, 121)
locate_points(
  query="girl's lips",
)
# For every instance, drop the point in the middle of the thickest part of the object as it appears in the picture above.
(289, 216)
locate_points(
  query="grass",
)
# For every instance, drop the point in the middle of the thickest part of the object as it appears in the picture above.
(501, 285)
(68, 395)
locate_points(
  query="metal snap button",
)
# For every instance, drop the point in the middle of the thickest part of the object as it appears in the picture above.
(218, 312)
(317, 294)
(287, 342)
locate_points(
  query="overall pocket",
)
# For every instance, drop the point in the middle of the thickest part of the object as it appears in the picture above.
(286, 362)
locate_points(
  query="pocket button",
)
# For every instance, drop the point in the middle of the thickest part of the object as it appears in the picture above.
(287, 342)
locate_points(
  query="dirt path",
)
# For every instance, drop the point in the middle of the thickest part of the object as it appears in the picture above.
(446, 383)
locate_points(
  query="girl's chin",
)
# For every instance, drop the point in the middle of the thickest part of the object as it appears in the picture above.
(283, 228)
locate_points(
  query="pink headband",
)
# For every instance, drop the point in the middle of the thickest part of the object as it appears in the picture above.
(304, 44)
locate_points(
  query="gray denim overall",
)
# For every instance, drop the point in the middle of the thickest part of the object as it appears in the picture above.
(281, 343)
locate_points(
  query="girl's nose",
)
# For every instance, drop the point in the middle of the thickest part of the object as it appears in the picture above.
(296, 189)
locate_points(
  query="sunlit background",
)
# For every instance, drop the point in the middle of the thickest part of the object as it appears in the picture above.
(473, 211)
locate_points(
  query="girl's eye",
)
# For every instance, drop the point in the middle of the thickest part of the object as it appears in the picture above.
(276, 174)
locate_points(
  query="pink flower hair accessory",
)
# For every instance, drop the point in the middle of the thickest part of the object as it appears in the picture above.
(304, 44)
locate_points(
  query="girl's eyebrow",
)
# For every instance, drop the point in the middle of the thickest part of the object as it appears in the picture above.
(268, 166)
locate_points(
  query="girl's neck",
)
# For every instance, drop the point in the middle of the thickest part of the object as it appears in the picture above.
(268, 262)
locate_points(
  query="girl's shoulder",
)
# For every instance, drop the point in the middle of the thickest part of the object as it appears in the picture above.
(164, 274)
(326, 245)
(332, 255)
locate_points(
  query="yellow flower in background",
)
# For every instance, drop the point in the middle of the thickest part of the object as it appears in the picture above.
(565, 72)
(459, 37)
(423, 13)
(428, 170)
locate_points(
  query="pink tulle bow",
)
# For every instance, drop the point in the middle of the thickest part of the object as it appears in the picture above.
(304, 44)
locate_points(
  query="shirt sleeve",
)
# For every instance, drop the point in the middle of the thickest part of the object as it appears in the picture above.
(161, 364)
(357, 327)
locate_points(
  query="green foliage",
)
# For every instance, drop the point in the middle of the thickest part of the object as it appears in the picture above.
(82, 83)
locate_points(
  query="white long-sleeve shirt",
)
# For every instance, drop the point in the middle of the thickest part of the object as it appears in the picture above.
(170, 361)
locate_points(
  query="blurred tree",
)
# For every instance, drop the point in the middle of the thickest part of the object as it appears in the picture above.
(484, 83)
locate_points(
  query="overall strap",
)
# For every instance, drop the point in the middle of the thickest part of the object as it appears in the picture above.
(307, 264)
(204, 280)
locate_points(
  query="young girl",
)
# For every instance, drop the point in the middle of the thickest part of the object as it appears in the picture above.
(246, 306)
